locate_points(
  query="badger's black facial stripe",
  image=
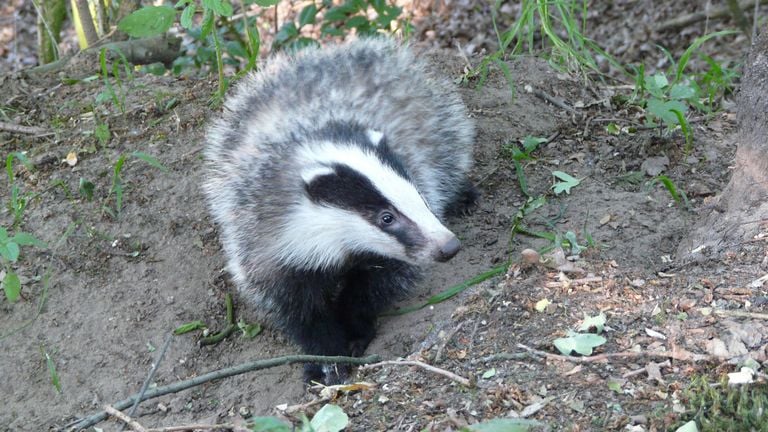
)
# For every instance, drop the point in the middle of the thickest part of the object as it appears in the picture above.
(355, 133)
(348, 189)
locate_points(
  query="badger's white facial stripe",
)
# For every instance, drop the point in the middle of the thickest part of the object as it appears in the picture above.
(375, 136)
(309, 174)
(396, 189)
(320, 237)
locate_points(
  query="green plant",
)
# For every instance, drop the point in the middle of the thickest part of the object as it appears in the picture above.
(117, 189)
(109, 93)
(723, 407)
(677, 194)
(18, 201)
(562, 27)
(51, 366)
(338, 21)
(517, 155)
(10, 249)
(667, 96)
(222, 39)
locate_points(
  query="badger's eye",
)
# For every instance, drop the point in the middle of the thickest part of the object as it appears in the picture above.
(387, 218)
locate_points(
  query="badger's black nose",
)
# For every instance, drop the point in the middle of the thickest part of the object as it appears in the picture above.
(448, 250)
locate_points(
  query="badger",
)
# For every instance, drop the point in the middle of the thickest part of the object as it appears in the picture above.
(330, 173)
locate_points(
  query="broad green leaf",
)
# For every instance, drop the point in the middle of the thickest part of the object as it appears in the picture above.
(268, 424)
(3, 235)
(207, 24)
(330, 418)
(663, 110)
(612, 129)
(27, 239)
(356, 21)
(597, 321)
(530, 143)
(490, 373)
(187, 15)
(188, 327)
(502, 425)
(581, 343)
(263, 3)
(682, 91)
(11, 286)
(656, 82)
(148, 21)
(307, 15)
(220, 7)
(250, 331)
(566, 184)
(287, 32)
(13, 251)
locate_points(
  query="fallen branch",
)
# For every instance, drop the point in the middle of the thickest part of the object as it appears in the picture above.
(219, 374)
(133, 424)
(31, 130)
(681, 355)
(450, 375)
(195, 427)
(151, 375)
(686, 20)
(156, 49)
(741, 314)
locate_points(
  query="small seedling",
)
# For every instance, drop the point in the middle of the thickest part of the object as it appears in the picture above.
(565, 184)
(677, 194)
(580, 343)
(117, 188)
(51, 366)
(10, 249)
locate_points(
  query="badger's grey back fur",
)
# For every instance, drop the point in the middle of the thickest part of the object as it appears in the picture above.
(253, 149)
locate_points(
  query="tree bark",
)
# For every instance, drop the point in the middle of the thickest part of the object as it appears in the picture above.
(50, 18)
(742, 208)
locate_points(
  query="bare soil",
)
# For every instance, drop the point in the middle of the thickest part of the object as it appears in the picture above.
(118, 285)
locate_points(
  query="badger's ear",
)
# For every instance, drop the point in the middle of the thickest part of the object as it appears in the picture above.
(374, 136)
(310, 174)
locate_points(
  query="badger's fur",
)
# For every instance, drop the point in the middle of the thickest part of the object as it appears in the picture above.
(329, 174)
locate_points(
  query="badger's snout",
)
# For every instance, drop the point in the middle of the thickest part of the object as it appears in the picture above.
(447, 250)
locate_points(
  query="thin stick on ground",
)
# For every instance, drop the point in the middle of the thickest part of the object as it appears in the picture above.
(31, 130)
(133, 424)
(741, 314)
(151, 375)
(680, 355)
(194, 427)
(219, 374)
(450, 375)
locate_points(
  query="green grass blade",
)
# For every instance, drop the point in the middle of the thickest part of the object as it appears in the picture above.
(452, 291)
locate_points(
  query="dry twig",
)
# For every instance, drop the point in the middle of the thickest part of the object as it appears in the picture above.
(193, 427)
(450, 375)
(741, 314)
(133, 424)
(680, 355)
(31, 130)
(686, 20)
(219, 374)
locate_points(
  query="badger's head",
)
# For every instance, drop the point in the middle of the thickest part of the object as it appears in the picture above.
(358, 199)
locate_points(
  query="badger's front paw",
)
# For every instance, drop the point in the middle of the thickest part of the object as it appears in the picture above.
(328, 374)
